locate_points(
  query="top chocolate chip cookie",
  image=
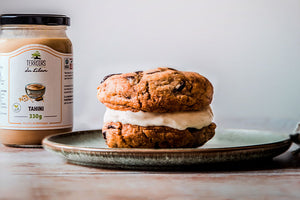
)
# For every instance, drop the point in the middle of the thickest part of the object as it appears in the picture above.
(157, 90)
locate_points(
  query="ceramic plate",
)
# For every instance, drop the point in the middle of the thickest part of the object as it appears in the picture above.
(88, 148)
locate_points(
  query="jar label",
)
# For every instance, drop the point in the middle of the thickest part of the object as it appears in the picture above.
(36, 88)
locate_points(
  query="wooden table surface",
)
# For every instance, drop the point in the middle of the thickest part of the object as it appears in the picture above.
(37, 174)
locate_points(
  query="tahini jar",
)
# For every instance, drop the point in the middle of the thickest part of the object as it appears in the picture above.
(36, 78)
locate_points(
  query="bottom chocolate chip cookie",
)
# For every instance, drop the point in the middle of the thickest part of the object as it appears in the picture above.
(118, 135)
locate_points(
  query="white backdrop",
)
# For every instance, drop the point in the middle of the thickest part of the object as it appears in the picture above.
(249, 49)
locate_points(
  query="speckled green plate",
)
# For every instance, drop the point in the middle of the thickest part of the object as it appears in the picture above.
(88, 148)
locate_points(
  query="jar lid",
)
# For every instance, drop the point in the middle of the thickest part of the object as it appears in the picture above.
(35, 19)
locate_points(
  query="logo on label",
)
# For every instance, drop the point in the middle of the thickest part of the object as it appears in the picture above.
(36, 63)
(68, 63)
(16, 107)
(36, 55)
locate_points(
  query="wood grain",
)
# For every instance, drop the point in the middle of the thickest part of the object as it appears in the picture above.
(37, 174)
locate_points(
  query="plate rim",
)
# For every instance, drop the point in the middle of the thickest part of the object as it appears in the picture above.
(48, 144)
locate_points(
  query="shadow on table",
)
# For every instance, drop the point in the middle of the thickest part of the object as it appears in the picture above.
(288, 160)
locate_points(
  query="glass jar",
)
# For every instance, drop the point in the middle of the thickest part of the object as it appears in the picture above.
(36, 78)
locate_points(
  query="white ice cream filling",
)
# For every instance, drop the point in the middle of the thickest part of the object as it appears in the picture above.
(176, 120)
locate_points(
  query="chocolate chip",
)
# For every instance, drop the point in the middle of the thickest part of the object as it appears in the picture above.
(179, 87)
(111, 127)
(107, 76)
(129, 97)
(104, 135)
(192, 130)
(138, 72)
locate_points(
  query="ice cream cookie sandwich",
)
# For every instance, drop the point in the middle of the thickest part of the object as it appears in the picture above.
(158, 108)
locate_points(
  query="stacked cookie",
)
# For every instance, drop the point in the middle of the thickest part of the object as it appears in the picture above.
(159, 108)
